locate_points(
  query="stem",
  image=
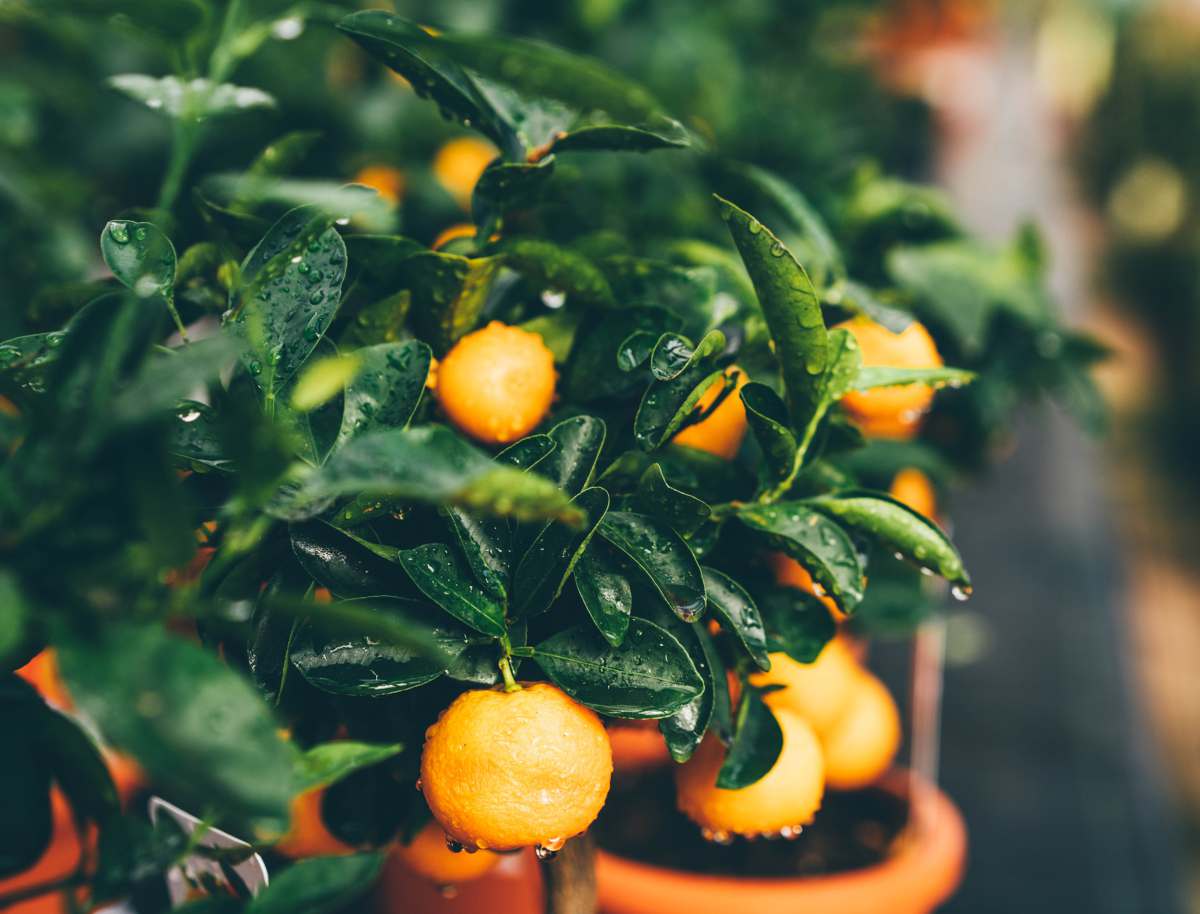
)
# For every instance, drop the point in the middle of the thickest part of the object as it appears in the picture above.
(175, 316)
(506, 670)
(569, 878)
(183, 143)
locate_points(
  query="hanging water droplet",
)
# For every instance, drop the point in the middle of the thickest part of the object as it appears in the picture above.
(961, 592)
(255, 368)
(777, 249)
(454, 846)
(553, 298)
(140, 234)
(544, 853)
(190, 416)
(119, 232)
(54, 340)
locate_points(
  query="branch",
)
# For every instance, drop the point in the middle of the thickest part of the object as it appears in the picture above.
(569, 878)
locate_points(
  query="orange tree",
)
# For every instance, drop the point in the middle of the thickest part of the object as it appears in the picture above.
(404, 513)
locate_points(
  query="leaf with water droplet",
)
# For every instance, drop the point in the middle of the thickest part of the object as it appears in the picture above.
(872, 376)
(666, 404)
(140, 256)
(600, 579)
(572, 462)
(757, 743)
(797, 623)
(767, 416)
(193, 99)
(656, 497)
(486, 543)
(663, 557)
(649, 676)
(550, 559)
(386, 391)
(443, 576)
(734, 608)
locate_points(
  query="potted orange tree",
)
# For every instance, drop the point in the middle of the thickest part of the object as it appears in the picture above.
(307, 513)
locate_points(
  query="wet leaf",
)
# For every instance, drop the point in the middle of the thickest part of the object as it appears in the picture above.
(767, 416)
(572, 463)
(558, 268)
(189, 99)
(649, 676)
(737, 613)
(345, 564)
(797, 623)
(443, 576)
(757, 743)
(658, 498)
(684, 729)
(549, 561)
(448, 293)
(486, 544)
(326, 763)
(527, 452)
(664, 558)
(667, 403)
(140, 256)
(589, 373)
(318, 885)
(387, 388)
(604, 589)
(870, 376)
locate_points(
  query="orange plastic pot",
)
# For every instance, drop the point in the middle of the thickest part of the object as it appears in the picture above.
(924, 871)
(514, 886)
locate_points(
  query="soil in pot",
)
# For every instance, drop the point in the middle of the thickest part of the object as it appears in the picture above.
(852, 831)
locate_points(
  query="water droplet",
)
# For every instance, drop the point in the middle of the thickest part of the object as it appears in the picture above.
(454, 846)
(554, 298)
(54, 340)
(119, 232)
(755, 226)
(961, 592)
(777, 249)
(255, 368)
(544, 853)
(190, 416)
(140, 234)
(316, 297)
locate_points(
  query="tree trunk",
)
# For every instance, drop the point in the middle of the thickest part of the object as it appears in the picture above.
(569, 878)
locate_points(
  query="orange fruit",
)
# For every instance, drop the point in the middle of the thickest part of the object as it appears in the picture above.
(791, 573)
(453, 233)
(913, 488)
(860, 746)
(428, 856)
(459, 163)
(721, 433)
(58, 861)
(497, 383)
(308, 836)
(42, 673)
(819, 691)
(502, 770)
(891, 411)
(785, 798)
(388, 181)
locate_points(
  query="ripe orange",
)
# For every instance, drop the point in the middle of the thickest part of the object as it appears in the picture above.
(860, 746)
(503, 770)
(784, 799)
(497, 383)
(308, 836)
(388, 181)
(459, 163)
(58, 861)
(820, 691)
(453, 233)
(891, 412)
(791, 573)
(42, 673)
(913, 488)
(722, 432)
(428, 856)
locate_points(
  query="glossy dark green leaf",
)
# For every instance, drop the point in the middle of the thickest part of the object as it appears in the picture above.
(27, 819)
(871, 376)
(27, 359)
(737, 613)
(318, 885)
(387, 388)
(767, 416)
(664, 558)
(600, 579)
(635, 350)
(590, 373)
(505, 186)
(197, 727)
(443, 576)
(550, 559)
(572, 463)
(684, 729)
(388, 652)
(668, 134)
(666, 404)
(797, 623)
(558, 268)
(290, 289)
(326, 763)
(486, 544)
(658, 498)
(189, 99)
(283, 155)
(899, 527)
(842, 367)
(140, 256)
(790, 304)
(346, 565)
(649, 676)
(672, 354)
(433, 464)
(528, 452)
(448, 294)
(78, 768)
(814, 541)
(168, 376)
(757, 743)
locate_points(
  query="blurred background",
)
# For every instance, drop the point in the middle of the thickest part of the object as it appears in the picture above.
(1071, 727)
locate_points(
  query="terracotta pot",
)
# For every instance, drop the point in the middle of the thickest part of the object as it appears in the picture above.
(514, 886)
(923, 872)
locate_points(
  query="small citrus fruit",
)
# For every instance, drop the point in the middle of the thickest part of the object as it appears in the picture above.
(60, 859)
(820, 691)
(388, 181)
(722, 431)
(497, 383)
(781, 801)
(913, 488)
(891, 411)
(308, 835)
(791, 573)
(459, 163)
(42, 673)
(453, 233)
(427, 855)
(503, 770)
(860, 746)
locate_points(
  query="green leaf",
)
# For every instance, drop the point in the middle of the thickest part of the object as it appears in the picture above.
(571, 464)
(386, 390)
(767, 416)
(27, 813)
(797, 623)
(486, 544)
(169, 375)
(589, 373)
(14, 613)
(820, 545)
(554, 267)
(604, 589)
(757, 743)
(870, 376)
(897, 526)
(528, 452)
(346, 565)
(790, 304)
(290, 288)
(444, 577)
(283, 155)
(77, 766)
(321, 380)
(189, 99)
(649, 676)
(663, 556)
(448, 293)
(140, 256)
(667, 403)
(170, 18)
(658, 498)
(736, 612)
(549, 561)
(842, 368)
(684, 729)
(198, 728)
(505, 186)
(318, 885)
(433, 464)
(327, 763)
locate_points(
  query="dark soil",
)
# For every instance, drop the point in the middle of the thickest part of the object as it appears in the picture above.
(852, 830)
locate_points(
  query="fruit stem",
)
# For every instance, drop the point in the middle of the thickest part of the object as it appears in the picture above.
(506, 670)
